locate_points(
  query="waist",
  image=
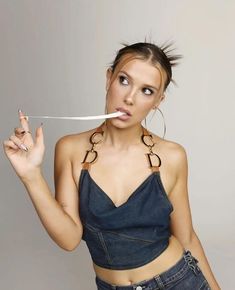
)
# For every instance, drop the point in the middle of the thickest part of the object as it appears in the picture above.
(164, 261)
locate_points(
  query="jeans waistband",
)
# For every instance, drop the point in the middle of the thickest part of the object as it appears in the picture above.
(161, 280)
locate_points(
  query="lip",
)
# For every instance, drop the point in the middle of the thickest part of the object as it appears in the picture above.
(123, 110)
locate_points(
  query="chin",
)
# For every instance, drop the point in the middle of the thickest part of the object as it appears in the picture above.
(117, 123)
(121, 124)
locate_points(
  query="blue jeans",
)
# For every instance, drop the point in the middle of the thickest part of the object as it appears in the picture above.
(184, 275)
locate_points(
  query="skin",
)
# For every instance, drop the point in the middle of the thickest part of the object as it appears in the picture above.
(121, 138)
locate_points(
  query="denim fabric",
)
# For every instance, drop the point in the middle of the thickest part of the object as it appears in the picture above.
(184, 275)
(130, 235)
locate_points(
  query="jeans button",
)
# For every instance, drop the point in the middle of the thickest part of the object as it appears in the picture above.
(139, 288)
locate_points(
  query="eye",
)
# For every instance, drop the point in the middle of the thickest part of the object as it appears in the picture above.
(123, 80)
(147, 91)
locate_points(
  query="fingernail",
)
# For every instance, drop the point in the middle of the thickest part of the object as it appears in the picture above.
(19, 111)
(22, 146)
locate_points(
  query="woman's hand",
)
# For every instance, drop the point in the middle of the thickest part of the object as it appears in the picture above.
(24, 154)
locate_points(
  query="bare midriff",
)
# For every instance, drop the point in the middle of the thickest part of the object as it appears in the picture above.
(163, 262)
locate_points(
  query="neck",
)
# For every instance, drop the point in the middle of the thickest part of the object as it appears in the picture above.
(122, 138)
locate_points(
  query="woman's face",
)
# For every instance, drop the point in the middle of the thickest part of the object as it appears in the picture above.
(136, 88)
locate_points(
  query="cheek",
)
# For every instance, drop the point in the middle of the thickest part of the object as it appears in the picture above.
(146, 110)
(116, 91)
(147, 102)
(146, 105)
(112, 96)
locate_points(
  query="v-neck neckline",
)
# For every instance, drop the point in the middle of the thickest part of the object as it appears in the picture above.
(135, 191)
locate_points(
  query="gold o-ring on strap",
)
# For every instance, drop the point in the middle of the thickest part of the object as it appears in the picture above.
(150, 138)
(93, 142)
(150, 146)
(92, 137)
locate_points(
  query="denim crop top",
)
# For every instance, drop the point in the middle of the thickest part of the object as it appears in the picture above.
(132, 234)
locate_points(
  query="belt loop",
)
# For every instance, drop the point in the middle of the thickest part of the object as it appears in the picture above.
(159, 282)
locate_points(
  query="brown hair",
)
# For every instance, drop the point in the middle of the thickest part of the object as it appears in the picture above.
(159, 56)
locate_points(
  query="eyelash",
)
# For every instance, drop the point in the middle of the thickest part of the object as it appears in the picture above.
(121, 78)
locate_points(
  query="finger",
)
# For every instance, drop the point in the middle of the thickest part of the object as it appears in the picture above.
(18, 143)
(8, 144)
(39, 139)
(19, 131)
(23, 121)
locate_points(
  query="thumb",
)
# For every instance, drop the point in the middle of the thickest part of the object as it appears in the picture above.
(39, 139)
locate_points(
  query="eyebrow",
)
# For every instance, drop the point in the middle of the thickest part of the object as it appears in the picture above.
(121, 71)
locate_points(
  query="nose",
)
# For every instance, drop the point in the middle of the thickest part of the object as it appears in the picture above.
(129, 99)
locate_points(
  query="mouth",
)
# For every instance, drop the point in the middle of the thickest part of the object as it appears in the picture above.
(124, 111)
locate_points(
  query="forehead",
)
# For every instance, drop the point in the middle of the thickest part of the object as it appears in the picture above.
(143, 71)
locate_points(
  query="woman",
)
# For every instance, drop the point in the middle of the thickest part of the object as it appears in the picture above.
(132, 208)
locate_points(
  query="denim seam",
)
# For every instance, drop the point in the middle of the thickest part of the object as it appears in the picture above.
(101, 238)
(122, 235)
(163, 191)
(129, 237)
(205, 283)
(91, 228)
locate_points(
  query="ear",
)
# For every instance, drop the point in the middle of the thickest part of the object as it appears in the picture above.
(162, 97)
(109, 73)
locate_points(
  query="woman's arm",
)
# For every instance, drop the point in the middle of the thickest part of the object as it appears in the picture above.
(58, 224)
(61, 223)
(181, 219)
(196, 248)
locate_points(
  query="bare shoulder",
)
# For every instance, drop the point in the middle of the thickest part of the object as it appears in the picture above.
(74, 142)
(173, 153)
(70, 150)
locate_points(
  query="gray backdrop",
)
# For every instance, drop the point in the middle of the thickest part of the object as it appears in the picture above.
(53, 58)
